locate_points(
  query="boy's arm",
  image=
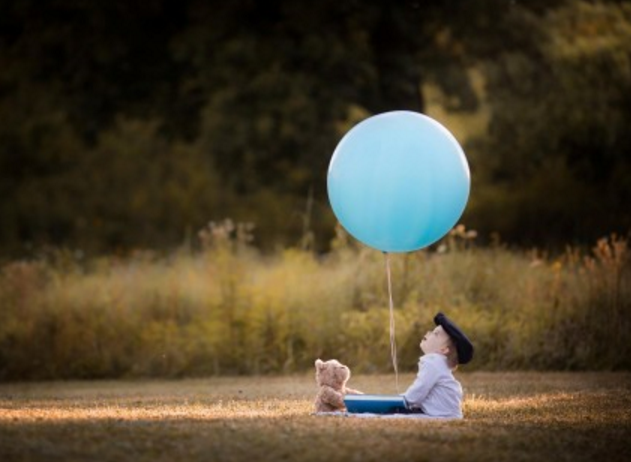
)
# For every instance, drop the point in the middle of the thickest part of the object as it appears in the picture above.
(425, 381)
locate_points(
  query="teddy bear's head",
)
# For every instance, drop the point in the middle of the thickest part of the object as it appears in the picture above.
(332, 373)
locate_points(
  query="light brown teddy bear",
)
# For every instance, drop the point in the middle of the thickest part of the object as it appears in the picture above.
(332, 376)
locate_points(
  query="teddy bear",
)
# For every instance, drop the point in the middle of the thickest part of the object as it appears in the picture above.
(331, 377)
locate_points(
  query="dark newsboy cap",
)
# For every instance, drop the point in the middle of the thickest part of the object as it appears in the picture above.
(463, 345)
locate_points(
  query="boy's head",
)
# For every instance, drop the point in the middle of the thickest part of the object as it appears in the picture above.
(449, 340)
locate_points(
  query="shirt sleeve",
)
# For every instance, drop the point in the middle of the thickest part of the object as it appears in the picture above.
(425, 381)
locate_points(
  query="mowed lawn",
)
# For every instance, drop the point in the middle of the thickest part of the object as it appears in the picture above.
(508, 416)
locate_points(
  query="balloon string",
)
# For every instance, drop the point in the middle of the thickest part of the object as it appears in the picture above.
(393, 343)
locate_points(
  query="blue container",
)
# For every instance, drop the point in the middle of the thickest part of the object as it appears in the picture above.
(375, 404)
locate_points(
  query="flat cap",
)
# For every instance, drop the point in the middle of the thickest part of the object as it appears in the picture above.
(463, 344)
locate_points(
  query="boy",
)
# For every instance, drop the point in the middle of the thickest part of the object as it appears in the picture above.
(436, 392)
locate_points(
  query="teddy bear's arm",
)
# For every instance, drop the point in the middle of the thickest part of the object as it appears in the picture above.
(332, 397)
(352, 391)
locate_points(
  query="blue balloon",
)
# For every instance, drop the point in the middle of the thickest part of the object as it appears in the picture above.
(398, 181)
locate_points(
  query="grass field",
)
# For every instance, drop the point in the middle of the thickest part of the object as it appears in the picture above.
(508, 416)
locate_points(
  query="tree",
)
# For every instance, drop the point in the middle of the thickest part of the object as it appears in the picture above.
(555, 166)
(248, 99)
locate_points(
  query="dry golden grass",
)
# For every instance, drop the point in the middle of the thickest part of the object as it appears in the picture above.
(508, 416)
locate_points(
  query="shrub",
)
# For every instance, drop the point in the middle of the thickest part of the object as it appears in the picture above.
(227, 309)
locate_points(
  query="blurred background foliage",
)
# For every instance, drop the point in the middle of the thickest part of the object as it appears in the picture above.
(127, 125)
(229, 309)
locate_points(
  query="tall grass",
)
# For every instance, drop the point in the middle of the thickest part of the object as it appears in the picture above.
(226, 309)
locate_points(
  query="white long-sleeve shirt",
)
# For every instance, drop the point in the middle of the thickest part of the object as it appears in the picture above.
(435, 391)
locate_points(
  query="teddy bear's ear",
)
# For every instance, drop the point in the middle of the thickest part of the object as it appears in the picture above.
(318, 363)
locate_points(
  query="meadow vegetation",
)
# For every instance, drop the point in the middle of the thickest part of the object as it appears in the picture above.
(223, 308)
(514, 416)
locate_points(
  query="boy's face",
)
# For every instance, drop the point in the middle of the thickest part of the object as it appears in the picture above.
(435, 341)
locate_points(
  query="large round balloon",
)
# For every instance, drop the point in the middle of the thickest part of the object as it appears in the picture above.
(398, 181)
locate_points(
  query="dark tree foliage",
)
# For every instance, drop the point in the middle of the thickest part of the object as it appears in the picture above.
(131, 124)
(555, 166)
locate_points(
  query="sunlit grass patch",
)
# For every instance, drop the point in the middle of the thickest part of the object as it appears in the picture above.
(229, 409)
